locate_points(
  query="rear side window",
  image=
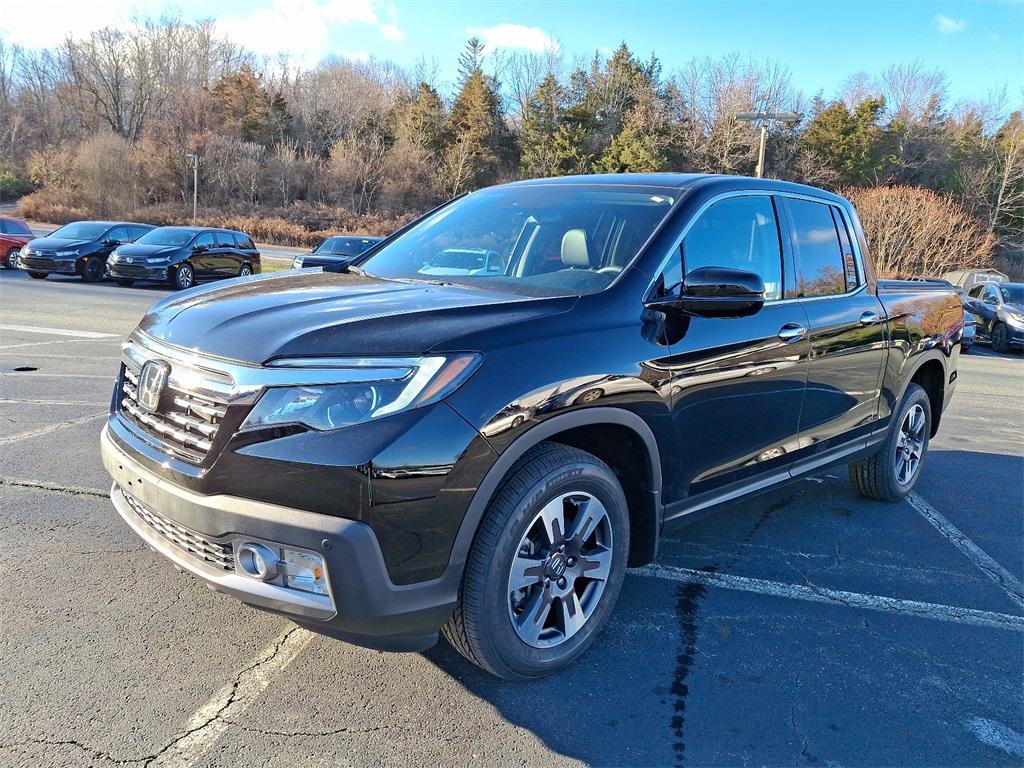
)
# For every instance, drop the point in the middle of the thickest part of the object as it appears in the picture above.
(739, 233)
(822, 269)
(244, 242)
(225, 240)
(14, 228)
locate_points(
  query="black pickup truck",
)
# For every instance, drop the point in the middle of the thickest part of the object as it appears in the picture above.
(386, 454)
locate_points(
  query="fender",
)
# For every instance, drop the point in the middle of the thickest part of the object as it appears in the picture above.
(536, 435)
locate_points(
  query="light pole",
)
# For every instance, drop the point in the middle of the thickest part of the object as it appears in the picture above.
(194, 159)
(764, 118)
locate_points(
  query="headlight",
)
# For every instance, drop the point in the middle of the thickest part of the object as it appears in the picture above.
(26, 251)
(66, 253)
(1015, 317)
(402, 385)
(156, 259)
(297, 262)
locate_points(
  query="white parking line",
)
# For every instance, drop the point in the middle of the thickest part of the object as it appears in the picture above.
(836, 597)
(52, 341)
(49, 402)
(212, 719)
(42, 375)
(1006, 580)
(58, 332)
(5, 440)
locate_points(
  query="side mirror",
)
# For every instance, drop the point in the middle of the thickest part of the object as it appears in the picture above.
(716, 292)
(199, 248)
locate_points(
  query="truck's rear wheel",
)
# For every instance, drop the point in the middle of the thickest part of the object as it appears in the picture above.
(546, 566)
(891, 473)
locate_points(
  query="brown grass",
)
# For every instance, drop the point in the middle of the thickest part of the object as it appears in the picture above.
(298, 225)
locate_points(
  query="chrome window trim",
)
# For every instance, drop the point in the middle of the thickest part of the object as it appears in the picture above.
(854, 241)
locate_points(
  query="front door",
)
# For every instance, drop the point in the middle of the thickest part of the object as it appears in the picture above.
(204, 254)
(737, 384)
(847, 328)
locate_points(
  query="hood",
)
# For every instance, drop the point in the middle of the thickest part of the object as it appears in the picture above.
(57, 244)
(313, 314)
(146, 249)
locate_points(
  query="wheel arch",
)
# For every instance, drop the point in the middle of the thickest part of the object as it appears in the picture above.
(930, 374)
(618, 437)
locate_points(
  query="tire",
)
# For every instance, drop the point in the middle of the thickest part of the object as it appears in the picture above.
(551, 482)
(93, 269)
(184, 276)
(11, 258)
(1000, 338)
(244, 271)
(38, 275)
(124, 282)
(884, 476)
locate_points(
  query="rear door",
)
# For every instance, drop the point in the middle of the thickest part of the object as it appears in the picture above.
(736, 383)
(229, 258)
(846, 326)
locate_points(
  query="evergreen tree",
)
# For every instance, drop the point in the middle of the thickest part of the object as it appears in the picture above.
(851, 143)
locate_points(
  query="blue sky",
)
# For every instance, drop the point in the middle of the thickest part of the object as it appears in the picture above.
(979, 44)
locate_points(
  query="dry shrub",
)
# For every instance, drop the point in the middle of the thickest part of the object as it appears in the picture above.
(52, 206)
(914, 232)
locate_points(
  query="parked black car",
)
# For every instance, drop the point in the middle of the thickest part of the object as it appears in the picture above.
(80, 248)
(382, 455)
(998, 310)
(182, 256)
(335, 253)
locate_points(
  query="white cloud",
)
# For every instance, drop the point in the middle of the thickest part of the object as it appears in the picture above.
(391, 31)
(46, 23)
(949, 26)
(518, 36)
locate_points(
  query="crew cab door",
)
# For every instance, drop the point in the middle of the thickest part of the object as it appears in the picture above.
(736, 383)
(846, 327)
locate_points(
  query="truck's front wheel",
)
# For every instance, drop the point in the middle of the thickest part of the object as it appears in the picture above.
(891, 473)
(546, 565)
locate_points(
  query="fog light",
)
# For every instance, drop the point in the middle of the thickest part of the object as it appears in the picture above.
(258, 561)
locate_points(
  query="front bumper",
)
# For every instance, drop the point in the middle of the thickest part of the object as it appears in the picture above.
(121, 271)
(363, 607)
(49, 265)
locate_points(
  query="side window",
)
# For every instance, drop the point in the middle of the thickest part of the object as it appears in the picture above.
(976, 291)
(137, 232)
(206, 238)
(244, 242)
(853, 278)
(5, 228)
(225, 240)
(822, 268)
(118, 233)
(991, 295)
(738, 233)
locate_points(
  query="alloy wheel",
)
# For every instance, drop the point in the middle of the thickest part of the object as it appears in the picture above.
(245, 271)
(560, 570)
(185, 277)
(910, 445)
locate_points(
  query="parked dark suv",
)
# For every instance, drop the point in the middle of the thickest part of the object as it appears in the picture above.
(80, 248)
(182, 256)
(389, 453)
(998, 312)
(335, 253)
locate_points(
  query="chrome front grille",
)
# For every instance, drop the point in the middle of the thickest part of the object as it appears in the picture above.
(209, 551)
(185, 424)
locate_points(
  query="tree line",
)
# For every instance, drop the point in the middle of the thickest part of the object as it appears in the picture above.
(104, 124)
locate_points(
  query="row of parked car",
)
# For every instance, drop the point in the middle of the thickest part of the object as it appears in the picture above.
(127, 252)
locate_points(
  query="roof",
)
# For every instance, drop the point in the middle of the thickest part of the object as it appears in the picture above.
(683, 181)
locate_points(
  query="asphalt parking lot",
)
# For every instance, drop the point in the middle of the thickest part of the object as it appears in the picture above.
(806, 627)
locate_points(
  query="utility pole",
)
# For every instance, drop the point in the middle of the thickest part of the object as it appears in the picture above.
(194, 159)
(764, 118)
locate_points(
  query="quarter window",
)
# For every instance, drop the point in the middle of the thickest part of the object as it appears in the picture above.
(738, 233)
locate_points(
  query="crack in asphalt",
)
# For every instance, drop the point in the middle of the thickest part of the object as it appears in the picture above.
(40, 485)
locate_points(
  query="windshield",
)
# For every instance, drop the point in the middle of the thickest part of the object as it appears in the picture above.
(1013, 293)
(80, 230)
(331, 245)
(166, 236)
(534, 240)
